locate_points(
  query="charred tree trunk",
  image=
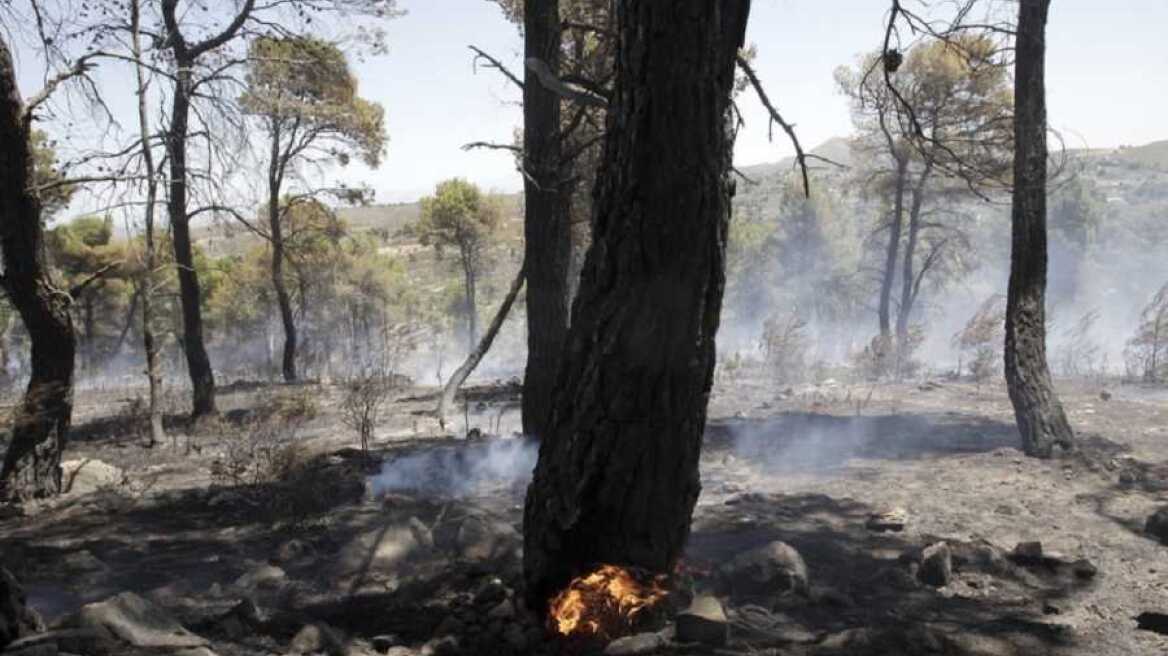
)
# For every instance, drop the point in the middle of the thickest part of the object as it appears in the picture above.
(475, 356)
(469, 280)
(1040, 416)
(908, 270)
(547, 241)
(41, 421)
(198, 364)
(276, 232)
(617, 475)
(891, 252)
(146, 284)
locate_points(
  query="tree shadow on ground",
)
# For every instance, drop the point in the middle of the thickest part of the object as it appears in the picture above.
(992, 605)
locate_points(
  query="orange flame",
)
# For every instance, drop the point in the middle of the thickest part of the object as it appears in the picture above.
(604, 602)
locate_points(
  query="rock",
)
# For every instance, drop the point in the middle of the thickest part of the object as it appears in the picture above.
(291, 550)
(421, 532)
(138, 622)
(504, 610)
(382, 643)
(380, 551)
(16, 618)
(890, 520)
(262, 576)
(642, 643)
(317, 638)
(936, 565)
(1157, 525)
(490, 591)
(1104, 395)
(444, 646)
(1084, 569)
(774, 568)
(1027, 552)
(86, 475)
(704, 621)
(476, 539)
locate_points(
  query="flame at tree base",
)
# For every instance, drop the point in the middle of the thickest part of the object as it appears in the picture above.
(605, 603)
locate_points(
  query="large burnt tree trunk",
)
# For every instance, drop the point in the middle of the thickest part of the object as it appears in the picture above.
(32, 463)
(617, 475)
(1040, 416)
(198, 364)
(547, 242)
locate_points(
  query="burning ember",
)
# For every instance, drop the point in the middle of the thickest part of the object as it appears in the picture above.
(605, 603)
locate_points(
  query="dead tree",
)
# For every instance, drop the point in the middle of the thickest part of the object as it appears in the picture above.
(1037, 409)
(41, 421)
(547, 242)
(617, 475)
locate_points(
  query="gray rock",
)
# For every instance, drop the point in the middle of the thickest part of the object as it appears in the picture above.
(86, 475)
(317, 638)
(291, 550)
(382, 643)
(890, 520)
(936, 565)
(377, 552)
(704, 621)
(262, 576)
(422, 533)
(774, 568)
(1157, 525)
(642, 643)
(140, 623)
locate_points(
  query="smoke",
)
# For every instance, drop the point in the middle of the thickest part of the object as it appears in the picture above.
(465, 469)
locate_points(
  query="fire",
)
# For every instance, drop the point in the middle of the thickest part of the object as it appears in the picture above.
(604, 603)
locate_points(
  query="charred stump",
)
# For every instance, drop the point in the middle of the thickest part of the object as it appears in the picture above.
(1041, 420)
(617, 476)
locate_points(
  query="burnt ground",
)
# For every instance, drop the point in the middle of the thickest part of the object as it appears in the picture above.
(437, 552)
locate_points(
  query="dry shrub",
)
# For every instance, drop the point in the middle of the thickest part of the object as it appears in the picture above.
(981, 339)
(1080, 355)
(365, 397)
(887, 357)
(784, 346)
(1146, 354)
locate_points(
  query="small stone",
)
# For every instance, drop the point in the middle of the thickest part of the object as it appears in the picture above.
(774, 568)
(891, 520)
(1157, 525)
(1027, 552)
(315, 638)
(936, 565)
(1084, 569)
(291, 550)
(382, 643)
(642, 643)
(704, 621)
(262, 576)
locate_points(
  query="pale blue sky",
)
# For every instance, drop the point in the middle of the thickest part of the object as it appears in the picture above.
(1107, 82)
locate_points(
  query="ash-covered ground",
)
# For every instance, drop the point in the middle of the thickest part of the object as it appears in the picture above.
(909, 515)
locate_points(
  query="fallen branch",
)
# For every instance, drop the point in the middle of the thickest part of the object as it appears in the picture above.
(474, 357)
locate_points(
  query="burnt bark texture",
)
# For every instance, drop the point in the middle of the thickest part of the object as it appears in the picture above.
(41, 420)
(277, 165)
(547, 240)
(1041, 420)
(617, 475)
(186, 55)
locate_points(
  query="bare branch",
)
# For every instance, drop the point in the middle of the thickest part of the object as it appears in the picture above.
(496, 64)
(775, 117)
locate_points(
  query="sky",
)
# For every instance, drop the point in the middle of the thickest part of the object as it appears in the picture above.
(1107, 68)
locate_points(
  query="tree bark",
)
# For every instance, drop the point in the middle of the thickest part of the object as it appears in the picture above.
(617, 475)
(146, 284)
(908, 269)
(198, 364)
(476, 355)
(891, 251)
(1041, 420)
(41, 422)
(547, 240)
(276, 166)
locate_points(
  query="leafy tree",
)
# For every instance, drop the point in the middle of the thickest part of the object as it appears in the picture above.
(301, 92)
(461, 217)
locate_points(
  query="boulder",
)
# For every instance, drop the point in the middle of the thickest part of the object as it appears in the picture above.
(1157, 525)
(16, 618)
(936, 565)
(704, 621)
(772, 569)
(261, 576)
(642, 643)
(890, 520)
(138, 622)
(317, 638)
(85, 475)
(380, 551)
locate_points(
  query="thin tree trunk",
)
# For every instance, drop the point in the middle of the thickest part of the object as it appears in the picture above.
(146, 284)
(617, 475)
(275, 229)
(908, 269)
(472, 319)
(475, 356)
(41, 421)
(1041, 420)
(892, 250)
(198, 364)
(547, 240)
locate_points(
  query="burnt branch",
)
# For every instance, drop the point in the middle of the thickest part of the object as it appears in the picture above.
(495, 64)
(775, 117)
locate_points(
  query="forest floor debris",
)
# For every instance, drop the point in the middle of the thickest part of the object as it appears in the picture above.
(320, 554)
